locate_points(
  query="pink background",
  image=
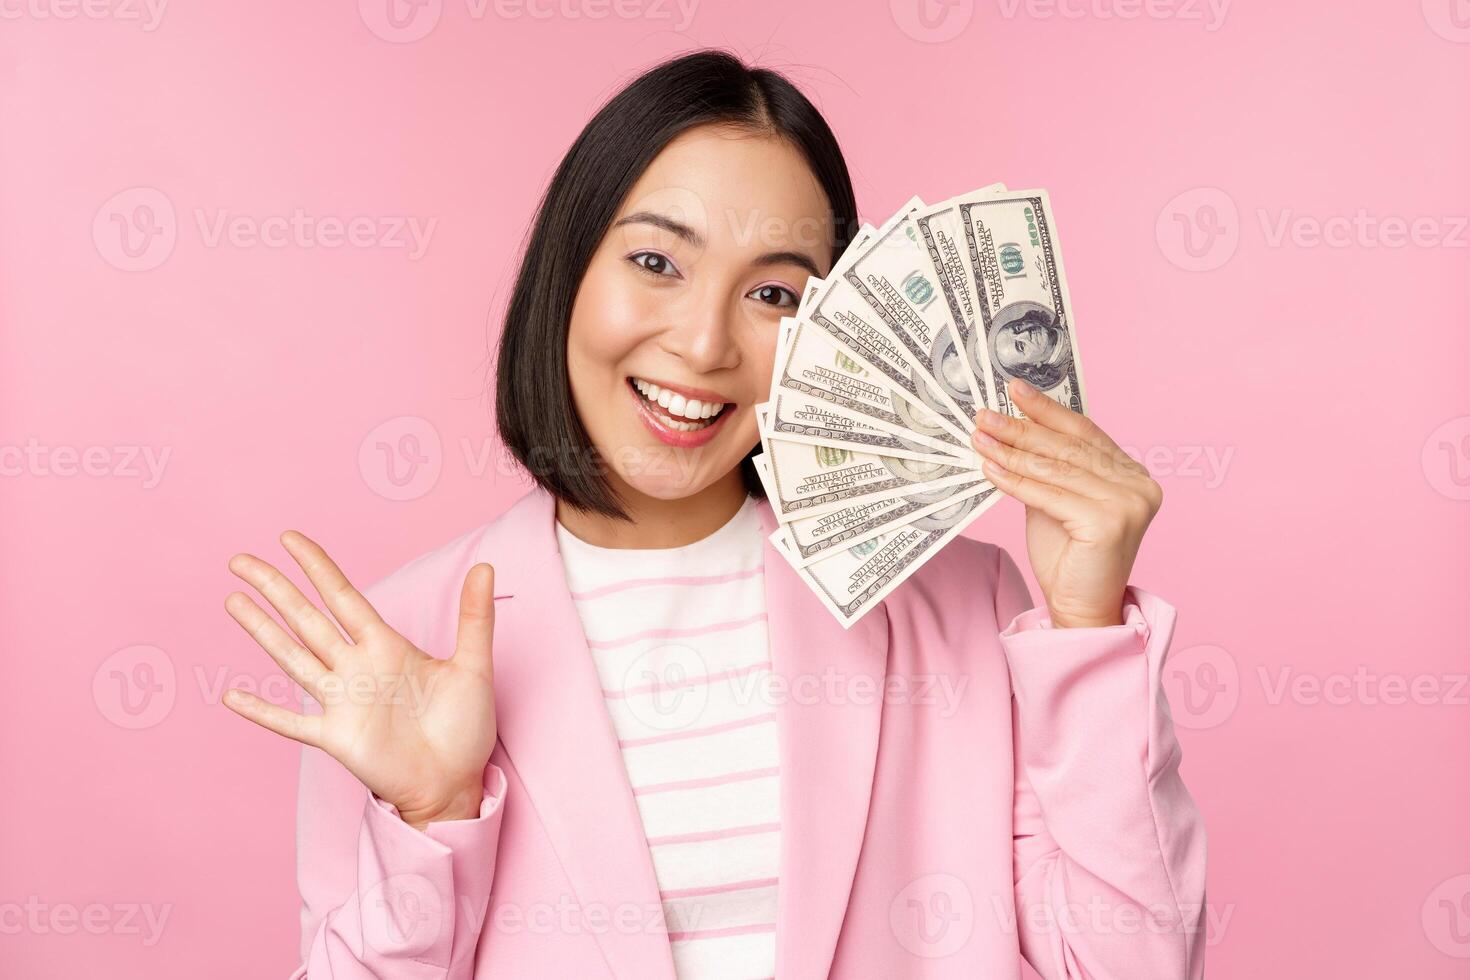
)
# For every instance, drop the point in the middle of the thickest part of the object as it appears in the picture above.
(1304, 403)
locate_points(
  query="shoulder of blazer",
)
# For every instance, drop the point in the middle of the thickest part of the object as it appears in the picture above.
(422, 595)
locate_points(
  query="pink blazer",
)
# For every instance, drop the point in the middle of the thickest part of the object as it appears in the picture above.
(1037, 814)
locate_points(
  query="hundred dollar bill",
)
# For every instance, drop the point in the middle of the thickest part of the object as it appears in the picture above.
(810, 366)
(920, 322)
(893, 275)
(854, 326)
(807, 480)
(816, 422)
(941, 231)
(853, 580)
(815, 538)
(1025, 311)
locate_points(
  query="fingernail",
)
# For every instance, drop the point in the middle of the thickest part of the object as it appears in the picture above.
(983, 438)
(988, 416)
(1020, 387)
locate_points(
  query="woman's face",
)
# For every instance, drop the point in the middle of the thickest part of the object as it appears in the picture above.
(673, 331)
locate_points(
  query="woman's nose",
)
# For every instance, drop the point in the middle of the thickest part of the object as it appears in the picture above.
(703, 336)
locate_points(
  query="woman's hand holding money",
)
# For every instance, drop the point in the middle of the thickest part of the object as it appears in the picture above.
(1087, 503)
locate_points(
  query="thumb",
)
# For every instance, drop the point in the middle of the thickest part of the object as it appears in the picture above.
(476, 620)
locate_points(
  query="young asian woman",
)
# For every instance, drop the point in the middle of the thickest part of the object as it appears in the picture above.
(959, 781)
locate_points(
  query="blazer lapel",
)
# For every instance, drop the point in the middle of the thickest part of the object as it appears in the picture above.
(554, 726)
(828, 729)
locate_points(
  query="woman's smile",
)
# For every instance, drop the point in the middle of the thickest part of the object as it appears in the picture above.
(678, 415)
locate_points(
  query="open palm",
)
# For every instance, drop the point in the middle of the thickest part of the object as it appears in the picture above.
(416, 730)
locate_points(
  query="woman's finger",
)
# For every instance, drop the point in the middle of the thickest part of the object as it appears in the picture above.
(306, 729)
(1033, 437)
(349, 606)
(473, 646)
(298, 662)
(307, 621)
(1054, 415)
(1051, 413)
(1052, 500)
(1046, 469)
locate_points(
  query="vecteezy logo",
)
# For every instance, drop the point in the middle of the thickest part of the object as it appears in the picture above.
(402, 914)
(1446, 458)
(401, 459)
(135, 687)
(933, 916)
(1203, 686)
(400, 21)
(135, 230)
(1450, 19)
(666, 687)
(1446, 917)
(1199, 229)
(932, 21)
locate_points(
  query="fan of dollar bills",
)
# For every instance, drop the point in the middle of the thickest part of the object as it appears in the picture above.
(866, 435)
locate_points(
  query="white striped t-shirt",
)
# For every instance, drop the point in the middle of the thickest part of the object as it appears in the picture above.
(678, 636)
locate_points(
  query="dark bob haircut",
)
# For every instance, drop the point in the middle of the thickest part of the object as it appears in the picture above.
(534, 410)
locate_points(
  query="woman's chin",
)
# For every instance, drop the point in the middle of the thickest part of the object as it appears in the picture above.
(665, 487)
(666, 473)
(650, 467)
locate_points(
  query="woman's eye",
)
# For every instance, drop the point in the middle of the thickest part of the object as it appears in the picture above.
(653, 262)
(775, 295)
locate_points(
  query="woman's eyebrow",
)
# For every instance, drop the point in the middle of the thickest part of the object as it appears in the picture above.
(792, 258)
(667, 224)
(695, 239)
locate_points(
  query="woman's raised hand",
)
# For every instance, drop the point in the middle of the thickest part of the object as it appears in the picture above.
(416, 730)
(1088, 503)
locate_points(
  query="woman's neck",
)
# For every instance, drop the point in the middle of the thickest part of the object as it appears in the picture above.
(658, 523)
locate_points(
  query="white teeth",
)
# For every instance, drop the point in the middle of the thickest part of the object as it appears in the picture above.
(675, 404)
